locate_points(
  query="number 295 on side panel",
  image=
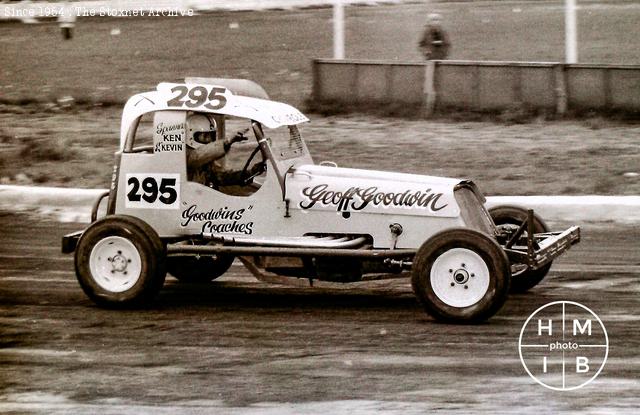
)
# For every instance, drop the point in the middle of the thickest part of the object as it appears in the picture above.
(153, 191)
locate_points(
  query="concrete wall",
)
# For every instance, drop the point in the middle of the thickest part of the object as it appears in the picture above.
(363, 82)
(479, 85)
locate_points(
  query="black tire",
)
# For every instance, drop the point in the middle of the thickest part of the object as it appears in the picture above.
(128, 266)
(198, 269)
(485, 289)
(522, 277)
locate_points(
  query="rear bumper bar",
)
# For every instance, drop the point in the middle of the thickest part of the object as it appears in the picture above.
(70, 241)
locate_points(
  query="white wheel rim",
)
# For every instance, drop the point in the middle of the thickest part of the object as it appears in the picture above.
(115, 264)
(460, 277)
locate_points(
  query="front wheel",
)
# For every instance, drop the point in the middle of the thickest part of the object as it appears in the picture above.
(461, 275)
(120, 261)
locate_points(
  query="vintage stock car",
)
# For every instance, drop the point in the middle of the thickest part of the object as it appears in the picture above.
(294, 219)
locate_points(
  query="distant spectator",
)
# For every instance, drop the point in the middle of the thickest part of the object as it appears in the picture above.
(67, 20)
(434, 43)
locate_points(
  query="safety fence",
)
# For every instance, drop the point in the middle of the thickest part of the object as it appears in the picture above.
(479, 85)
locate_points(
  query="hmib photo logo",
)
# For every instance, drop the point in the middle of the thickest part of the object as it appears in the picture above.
(563, 345)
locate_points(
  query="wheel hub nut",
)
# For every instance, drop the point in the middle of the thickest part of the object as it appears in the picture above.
(461, 276)
(118, 263)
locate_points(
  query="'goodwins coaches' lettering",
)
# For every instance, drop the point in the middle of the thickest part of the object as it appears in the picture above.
(222, 220)
(358, 198)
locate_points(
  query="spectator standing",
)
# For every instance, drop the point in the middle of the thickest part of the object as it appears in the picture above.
(434, 43)
(67, 20)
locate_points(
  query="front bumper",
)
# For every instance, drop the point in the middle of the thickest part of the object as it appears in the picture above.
(542, 248)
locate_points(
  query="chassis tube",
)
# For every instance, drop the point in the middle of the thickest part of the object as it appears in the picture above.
(279, 251)
(266, 152)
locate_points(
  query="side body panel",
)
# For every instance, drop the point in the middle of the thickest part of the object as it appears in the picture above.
(338, 200)
(149, 184)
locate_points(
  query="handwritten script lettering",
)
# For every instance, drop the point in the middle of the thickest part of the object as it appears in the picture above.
(222, 220)
(356, 198)
(161, 128)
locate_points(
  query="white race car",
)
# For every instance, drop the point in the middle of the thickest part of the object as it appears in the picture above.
(296, 219)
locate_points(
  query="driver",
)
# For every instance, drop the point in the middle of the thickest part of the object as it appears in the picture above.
(206, 155)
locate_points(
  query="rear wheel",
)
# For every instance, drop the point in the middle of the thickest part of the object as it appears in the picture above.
(509, 218)
(120, 261)
(461, 275)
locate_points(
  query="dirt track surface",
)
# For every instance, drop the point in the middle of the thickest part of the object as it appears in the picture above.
(241, 346)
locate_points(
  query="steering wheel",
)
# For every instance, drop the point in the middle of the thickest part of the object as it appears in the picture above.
(245, 176)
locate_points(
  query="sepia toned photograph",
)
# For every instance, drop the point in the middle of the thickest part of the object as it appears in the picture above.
(319, 207)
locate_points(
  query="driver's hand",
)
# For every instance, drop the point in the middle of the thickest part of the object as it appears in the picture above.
(240, 136)
(235, 139)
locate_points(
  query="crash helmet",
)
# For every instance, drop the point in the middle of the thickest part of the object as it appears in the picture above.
(200, 130)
